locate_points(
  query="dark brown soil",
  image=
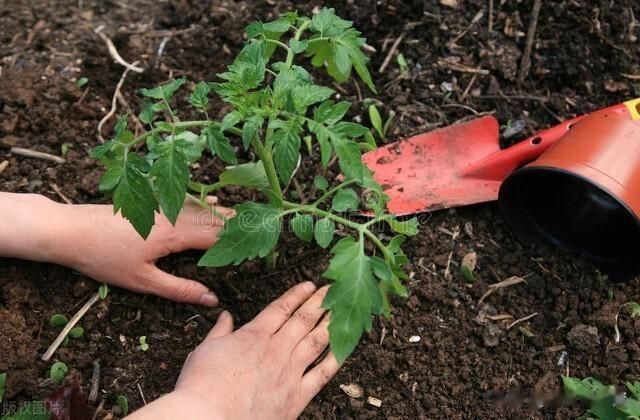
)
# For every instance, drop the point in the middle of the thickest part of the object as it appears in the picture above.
(465, 362)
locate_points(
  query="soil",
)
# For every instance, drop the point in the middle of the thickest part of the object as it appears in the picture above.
(466, 365)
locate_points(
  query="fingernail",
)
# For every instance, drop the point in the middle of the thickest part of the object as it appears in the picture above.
(209, 299)
(223, 315)
(309, 285)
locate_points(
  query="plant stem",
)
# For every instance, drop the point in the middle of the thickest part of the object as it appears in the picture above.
(279, 44)
(299, 32)
(267, 160)
(182, 124)
(332, 191)
(208, 207)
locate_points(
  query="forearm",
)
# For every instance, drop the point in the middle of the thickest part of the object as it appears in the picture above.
(31, 227)
(177, 405)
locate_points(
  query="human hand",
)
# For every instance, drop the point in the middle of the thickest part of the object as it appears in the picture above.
(105, 247)
(259, 371)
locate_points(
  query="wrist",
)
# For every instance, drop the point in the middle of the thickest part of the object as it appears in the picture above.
(32, 227)
(181, 403)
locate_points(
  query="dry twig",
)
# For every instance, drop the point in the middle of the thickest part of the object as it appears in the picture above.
(463, 68)
(72, 323)
(511, 281)
(114, 52)
(36, 155)
(517, 321)
(59, 192)
(525, 63)
(392, 51)
(114, 103)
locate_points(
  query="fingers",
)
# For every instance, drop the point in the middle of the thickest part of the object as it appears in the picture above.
(303, 320)
(312, 346)
(180, 289)
(224, 326)
(280, 310)
(199, 227)
(317, 378)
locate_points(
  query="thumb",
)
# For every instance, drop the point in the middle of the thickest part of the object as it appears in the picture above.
(180, 289)
(224, 326)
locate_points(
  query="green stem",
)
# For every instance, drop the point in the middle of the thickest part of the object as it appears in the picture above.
(267, 160)
(206, 206)
(279, 44)
(182, 124)
(299, 32)
(332, 191)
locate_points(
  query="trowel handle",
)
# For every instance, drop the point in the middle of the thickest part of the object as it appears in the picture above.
(500, 164)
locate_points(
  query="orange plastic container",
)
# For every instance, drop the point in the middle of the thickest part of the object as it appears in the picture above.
(583, 193)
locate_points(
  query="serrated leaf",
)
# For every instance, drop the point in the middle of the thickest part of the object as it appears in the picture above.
(634, 388)
(588, 388)
(302, 226)
(349, 159)
(134, 198)
(110, 179)
(191, 144)
(407, 227)
(345, 199)
(306, 95)
(630, 407)
(164, 92)
(298, 46)
(353, 297)
(200, 96)
(147, 114)
(171, 172)
(220, 146)
(320, 182)
(230, 120)
(250, 175)
(286, 151)
(253, 232)
(250, 130)
(329, 113)
(326, 149)
(350, 130)
(381, 268)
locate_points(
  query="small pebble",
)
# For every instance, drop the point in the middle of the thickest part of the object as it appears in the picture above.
(352, 390)
(374, 402)
(414, 339)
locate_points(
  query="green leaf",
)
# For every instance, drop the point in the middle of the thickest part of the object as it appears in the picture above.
(251, 233)
(200, 96)
(81, 82)
(164, 92)
(634, 308)
(408, 227)
(588, 388)
(286, 151)
(58, 372)
(376, 119)
(58, 320)
(327, 22)
(144, 346)
(345, 199)
(250, 130)
(634, 388)
(381, 269)
(123, 403)
(134, 198)
(350, 160)
(245, 73)
(76, 332)
(307, 95)
(323, 232)
(630, 407)
(353, 297)
(250, 175)
(191, 144)
(230, 120)
(3, 379)
(171, 170)
(326, 149)
(329, 113)
(219, 145)
(347, 129)
(320, 182)
(146, 114)
(103, 290)
(302, 226)
(298, 46)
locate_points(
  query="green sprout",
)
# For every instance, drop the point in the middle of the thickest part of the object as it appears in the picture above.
(376, 121)
(58, 372)
(143, 343)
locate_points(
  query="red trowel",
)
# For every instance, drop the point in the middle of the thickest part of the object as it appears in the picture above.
(457, 165)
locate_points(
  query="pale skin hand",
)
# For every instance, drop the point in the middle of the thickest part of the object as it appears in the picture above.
(260, 371)
(92, 240)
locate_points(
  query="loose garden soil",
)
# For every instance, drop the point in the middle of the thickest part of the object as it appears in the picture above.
(465, 362)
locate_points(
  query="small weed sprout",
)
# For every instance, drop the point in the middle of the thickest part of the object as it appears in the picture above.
(123, 403)
(376, 121)
(634, 308)
(275, 107)
(58, 372)
(143, 343)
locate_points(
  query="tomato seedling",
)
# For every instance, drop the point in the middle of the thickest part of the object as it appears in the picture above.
(275, 104)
